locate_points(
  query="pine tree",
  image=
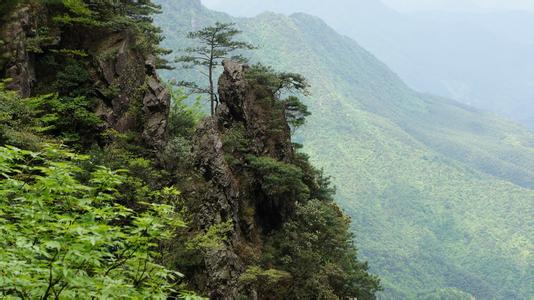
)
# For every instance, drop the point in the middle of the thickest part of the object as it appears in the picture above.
(215, 43)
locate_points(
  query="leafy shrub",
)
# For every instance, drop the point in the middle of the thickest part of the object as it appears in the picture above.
(235, 144)
(183, 120)
(234, 139)
(72, 119)
(319, 184)
(266, 282)
(73, 80)
(213, 238)
(182, 117)
(19, 125)
(64, 238)
(116, 15)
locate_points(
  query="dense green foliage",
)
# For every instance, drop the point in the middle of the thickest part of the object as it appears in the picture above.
(316, 247)
(100, 224)
(64, 238)
(446, 294)
(440, 194)
(279, 179)
(72, 227)
(17, 120)
(108, 15)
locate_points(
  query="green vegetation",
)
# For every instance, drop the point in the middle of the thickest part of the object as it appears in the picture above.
(88, 210)
(447, 294)
(89, 220)
(74, 225)
(309, 252)
(322, 258)
(440, 194)
(64, 238)
(279, 179)
(279, 84)
(17, 120)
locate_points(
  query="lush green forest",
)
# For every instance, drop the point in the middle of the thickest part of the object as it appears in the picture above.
(441, 195)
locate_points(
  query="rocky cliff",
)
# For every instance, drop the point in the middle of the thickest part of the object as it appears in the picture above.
(121, 75)
(244, 117)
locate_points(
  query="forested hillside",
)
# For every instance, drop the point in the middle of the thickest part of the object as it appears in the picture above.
(112, 188)
(441, 195)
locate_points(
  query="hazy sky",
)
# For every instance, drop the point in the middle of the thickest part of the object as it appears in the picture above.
(411, 5)
(460, 5)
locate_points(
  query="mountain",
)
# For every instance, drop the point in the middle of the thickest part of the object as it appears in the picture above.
(440, 194)
(483, 59)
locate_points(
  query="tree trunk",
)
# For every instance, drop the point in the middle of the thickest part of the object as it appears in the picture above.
(212, 95)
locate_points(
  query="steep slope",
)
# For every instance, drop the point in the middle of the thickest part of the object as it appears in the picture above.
(440, 194)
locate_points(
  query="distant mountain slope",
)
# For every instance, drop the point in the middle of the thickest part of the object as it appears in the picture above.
(441, 195)
(482, 59)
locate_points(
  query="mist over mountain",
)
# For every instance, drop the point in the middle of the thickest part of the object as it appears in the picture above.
(479, 54)
(475, 6)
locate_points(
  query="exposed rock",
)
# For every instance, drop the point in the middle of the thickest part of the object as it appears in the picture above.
(267, 128)
(220, 204)
(227, 195)
(132, 96)
(156, 105)
(15, 58)
(122, 66)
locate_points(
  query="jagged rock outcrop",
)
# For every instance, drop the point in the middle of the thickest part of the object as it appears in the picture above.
(241, 102)
(231, 192)
(132, 97)
(220, 204)
(118, 64)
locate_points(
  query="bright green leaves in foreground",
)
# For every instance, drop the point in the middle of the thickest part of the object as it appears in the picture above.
(65, 238)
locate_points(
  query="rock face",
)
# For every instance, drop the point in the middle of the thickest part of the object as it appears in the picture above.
(220, 204)
(232, 192)
(15, 60)
(135, 100)
(241, 102)
(119, 65)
